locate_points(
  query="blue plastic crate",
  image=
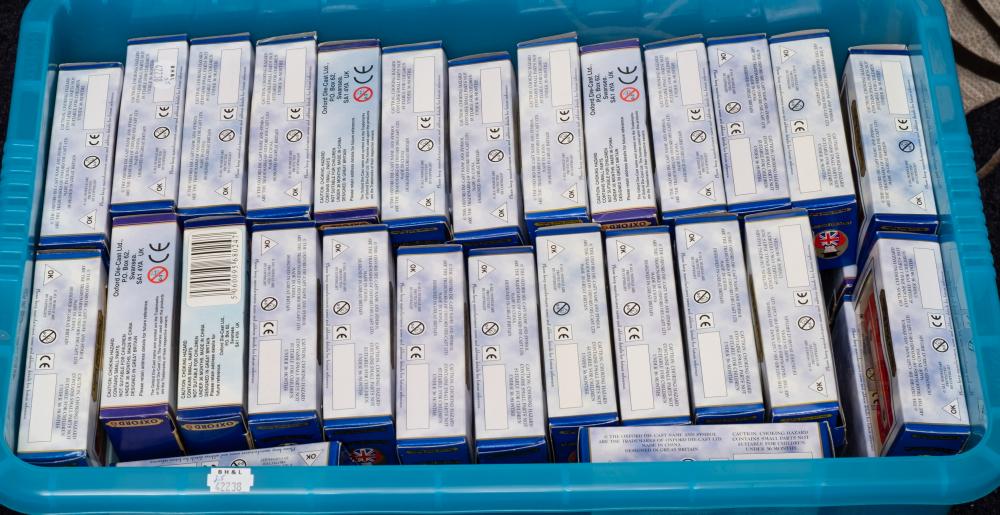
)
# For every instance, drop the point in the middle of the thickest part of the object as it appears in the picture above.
(55, 31)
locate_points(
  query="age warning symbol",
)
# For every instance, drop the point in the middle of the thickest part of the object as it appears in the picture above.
(491, 328)
(157, 274)
(47, 336)
(363, 94)
(415, 328)
(629, 94)
(341, 307)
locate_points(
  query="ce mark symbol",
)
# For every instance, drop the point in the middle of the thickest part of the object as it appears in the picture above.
(491, 353)
(628, 70)
(44, 361)
(364, 70)
(342, 332)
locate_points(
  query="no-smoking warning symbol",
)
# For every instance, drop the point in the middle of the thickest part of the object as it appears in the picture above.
(629, 94)
(363, 94)
(157, 274)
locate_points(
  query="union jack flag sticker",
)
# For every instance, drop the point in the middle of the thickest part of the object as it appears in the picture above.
(830, 244)
(366, 456)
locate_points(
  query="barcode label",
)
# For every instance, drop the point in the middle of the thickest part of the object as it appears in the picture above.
(213, 266)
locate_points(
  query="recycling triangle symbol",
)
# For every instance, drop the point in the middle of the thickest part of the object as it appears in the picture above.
(309, 457)
(428, 202)
(412, 268)
(295, 191)
(819, 386)
(90, 219)
(553, 249)
(267, 244)
(953, 409)
(786, 53)
(159, 187)
(623, 249)
(51, 274)
(708, 191)
(691, 237)
(337, 248)
(226, 190)
(500, 212)
(571, 194)
(484, 269)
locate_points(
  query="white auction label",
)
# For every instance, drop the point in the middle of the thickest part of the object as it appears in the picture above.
(231, 480)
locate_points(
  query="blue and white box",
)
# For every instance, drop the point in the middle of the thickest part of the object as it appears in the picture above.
(216, 113)
(682, 119)
(62, 368)
(414, 167)
(284, 386)
(750, 135)
(918, 399)
(280, 152)
(889, 148)
(211, 369)
(139, 392)
(506, 356)
(320, 454)
(855, 385)
(619, 164)
(356, 324)
(820, 176)
(148, 153)
(649, 340)
(486, 194)
(723, 364)
(837, 283)
(433, 402)
(800, 381)
(348, 109)
(81, 151)
(782, 441)
(576, 334)
(553, 165)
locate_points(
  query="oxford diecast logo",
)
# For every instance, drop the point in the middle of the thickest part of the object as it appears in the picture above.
(367, 456)
(210, 426)
(830, 243)
(137, 422)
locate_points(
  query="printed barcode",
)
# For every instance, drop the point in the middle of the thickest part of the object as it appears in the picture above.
(214, 267)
